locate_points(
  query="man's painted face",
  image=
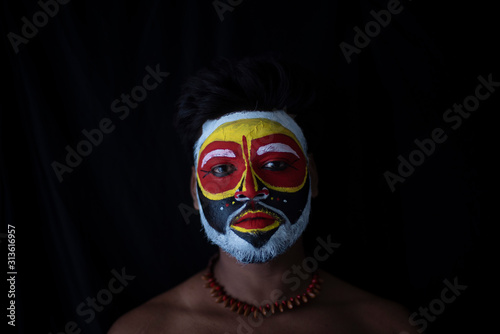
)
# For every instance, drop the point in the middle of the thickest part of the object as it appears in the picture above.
(253, 184)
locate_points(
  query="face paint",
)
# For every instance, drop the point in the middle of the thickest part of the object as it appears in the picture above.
(253, 183)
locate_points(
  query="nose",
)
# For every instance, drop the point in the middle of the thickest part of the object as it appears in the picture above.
(250, 191)
(242, 196)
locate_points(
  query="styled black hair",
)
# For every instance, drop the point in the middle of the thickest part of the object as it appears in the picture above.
(264, 83)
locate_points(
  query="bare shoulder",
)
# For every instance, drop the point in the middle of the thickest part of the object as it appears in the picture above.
(187, 308)
(378, 314)
(143, 319)
(163, 313)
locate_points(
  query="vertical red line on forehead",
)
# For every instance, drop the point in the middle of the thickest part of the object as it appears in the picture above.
(250, 181)
(247, 157)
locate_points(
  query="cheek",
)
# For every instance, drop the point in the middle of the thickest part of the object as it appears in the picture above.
(292, 204)
(217, 212)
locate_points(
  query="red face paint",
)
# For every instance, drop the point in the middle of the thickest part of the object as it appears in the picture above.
(220, 167)
(276, 160)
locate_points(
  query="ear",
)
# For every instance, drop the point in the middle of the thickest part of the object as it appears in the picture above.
(314, 175)
(193, 188)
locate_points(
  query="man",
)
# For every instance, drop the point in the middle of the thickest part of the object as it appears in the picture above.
(253, 179)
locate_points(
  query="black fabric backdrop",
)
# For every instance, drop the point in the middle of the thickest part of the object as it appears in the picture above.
(125, 207)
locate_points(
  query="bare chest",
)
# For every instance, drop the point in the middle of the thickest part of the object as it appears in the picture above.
(296, 322)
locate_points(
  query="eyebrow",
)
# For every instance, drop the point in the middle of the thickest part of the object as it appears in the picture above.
(217, 153)
(276, 147)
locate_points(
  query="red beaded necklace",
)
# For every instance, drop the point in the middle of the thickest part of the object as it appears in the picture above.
(240, 307)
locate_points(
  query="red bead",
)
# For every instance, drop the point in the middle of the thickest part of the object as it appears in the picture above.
(240, 307)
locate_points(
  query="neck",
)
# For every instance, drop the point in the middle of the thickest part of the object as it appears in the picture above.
(262, 283)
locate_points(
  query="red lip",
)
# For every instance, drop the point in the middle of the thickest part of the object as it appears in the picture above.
(255, 220)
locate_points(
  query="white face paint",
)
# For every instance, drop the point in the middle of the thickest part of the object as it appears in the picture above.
(276, 147)
(217, 153)
(253, 184)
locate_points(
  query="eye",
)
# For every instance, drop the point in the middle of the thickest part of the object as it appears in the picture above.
(222, 170)
(275, 165)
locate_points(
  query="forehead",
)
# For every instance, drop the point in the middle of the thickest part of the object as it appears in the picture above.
(253, 128)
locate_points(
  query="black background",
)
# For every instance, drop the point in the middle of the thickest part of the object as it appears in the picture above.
(122, 206)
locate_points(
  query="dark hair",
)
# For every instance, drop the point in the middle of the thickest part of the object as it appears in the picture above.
(253, 83)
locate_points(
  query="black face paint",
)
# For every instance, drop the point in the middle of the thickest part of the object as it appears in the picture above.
(288, 207)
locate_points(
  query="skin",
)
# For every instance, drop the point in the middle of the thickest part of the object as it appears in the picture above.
(339, 307)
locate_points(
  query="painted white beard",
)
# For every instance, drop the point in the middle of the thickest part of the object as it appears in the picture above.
(286, 235)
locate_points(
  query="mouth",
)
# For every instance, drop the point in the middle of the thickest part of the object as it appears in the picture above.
(252, 221)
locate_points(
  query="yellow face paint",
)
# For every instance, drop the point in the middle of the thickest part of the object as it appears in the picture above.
(253, 150)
